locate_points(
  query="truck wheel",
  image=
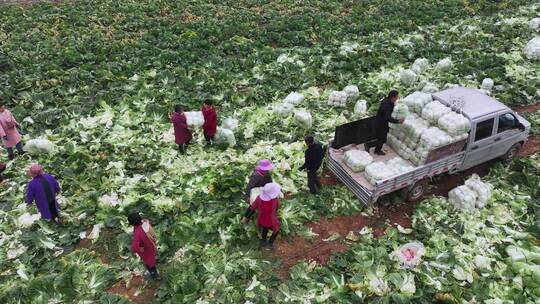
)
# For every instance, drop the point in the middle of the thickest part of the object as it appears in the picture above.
(416, 192)
(511, 153)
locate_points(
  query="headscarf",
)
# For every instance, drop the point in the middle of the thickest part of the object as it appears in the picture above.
(35, 170)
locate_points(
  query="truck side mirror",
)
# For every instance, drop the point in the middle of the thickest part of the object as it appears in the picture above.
(521, 127)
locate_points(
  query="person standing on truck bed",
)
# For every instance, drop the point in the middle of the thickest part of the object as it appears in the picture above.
(313, 159)
(383, 117)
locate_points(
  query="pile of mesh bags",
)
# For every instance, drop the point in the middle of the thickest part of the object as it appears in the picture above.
(416, 101)
(436, 126)
(357, 160)
(400, 111)
(340, 98)
(399, 165)
(337, 98)
(194, 119)
(454, 124)
(379, 171)
(473, 194)
(433, 111)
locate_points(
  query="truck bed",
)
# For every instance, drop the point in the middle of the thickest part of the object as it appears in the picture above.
(368, 193)
(339, 154)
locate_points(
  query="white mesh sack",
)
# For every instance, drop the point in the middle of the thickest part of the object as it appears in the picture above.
(482, 190)
(430, 88)
(294, 98)
(360, 107)
(433, 111)
(230, 123)
(304, 118)
(351, 91)
(534, 24)
(357, 160)
(433, 138)
(378, 171)
(454, 124)
(39, 146)
(462, 197)
(420, 65)
(194, 119)
(225, 136)
(414, 126)
(416, 101)
(399, 165)
(487, 84)
(445, 64)
(283, 109)
(408, 77)
(337, 98)
(400, 111)
(532, 49)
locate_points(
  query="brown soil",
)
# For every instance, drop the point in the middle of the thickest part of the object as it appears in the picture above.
(139, 291)
(87, 244)
(296, 249)
(528, 109)
(328, 178)
(532, 146)
(322, 247)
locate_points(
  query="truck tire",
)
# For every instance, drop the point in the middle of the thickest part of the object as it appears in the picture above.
(416, 192)
(511, 153)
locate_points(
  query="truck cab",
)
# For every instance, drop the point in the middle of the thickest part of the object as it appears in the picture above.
(496, 130)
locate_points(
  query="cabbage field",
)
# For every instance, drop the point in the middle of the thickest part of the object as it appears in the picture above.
(92, 83)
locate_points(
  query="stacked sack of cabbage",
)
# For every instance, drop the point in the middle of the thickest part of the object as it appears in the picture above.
(357, 160)
(379, 171)
(455, 124)
(416, 101)
(433, 111)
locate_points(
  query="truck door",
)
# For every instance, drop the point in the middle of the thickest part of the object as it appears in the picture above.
(507, 133)
(481, 142)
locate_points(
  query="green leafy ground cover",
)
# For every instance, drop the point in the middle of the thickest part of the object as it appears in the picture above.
(98, 78)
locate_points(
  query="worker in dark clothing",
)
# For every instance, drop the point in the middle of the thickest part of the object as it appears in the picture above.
(314, 156)
(383, 117)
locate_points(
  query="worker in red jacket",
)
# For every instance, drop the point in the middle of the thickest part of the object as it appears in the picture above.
(267, 204)
(210, 121)
(2, 168)
(144, 242)
(182, 135)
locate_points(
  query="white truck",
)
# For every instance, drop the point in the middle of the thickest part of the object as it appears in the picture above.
(496, 132)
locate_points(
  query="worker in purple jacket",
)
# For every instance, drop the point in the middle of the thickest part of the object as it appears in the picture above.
(43, 189)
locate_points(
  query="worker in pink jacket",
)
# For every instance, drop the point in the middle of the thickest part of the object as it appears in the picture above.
(9, 133)
(144, 242)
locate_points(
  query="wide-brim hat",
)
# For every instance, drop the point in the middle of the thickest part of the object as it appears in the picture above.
(265, 165)
(270, 191)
